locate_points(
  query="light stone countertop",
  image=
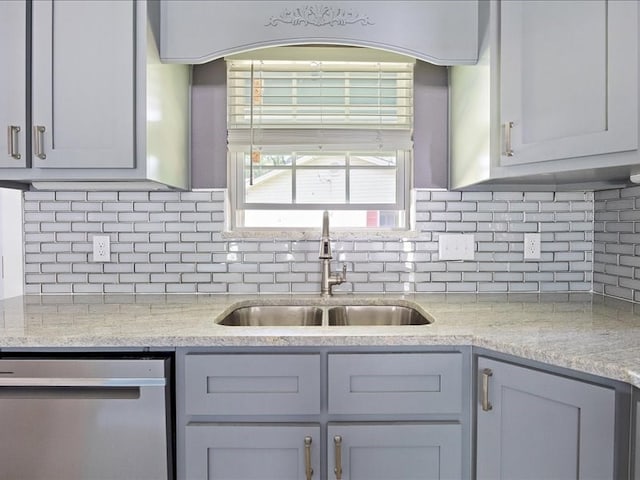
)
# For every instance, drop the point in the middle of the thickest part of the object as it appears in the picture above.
(584, 332)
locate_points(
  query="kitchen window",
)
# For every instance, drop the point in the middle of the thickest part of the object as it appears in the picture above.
(333, 133)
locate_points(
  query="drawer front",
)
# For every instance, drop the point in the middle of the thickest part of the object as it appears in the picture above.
(236, 384)
(395, 383)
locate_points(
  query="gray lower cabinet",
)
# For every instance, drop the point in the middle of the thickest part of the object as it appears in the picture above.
(635, 460)
(395, 383)
(243, 452)
(416, 451)
(248, 384)
(537, 425)
(275, 416)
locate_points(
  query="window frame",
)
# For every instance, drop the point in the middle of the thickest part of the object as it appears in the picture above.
(238, 152)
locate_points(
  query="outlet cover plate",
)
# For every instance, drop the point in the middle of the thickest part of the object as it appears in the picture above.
(456, 246)
(101, 248)
(532, 246)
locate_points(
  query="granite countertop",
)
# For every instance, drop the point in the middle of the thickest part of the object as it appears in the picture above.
(584, 332)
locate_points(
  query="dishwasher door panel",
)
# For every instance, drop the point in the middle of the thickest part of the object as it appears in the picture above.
(80, 424)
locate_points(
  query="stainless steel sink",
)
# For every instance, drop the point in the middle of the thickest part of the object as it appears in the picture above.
(378, 315)
(274, 316)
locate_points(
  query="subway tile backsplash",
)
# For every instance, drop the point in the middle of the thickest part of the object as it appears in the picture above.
(173, 242)
(616, 268)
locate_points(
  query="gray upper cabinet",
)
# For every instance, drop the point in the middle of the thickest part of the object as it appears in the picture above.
(103, 108)
(553, 100)
(568, 79)
(437, 31)
(532, 424)
(83, 84)
(13, 104)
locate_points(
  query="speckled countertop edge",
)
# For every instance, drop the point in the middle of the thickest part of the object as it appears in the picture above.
(583, 332)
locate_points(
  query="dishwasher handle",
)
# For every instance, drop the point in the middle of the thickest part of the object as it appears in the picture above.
(81, 382)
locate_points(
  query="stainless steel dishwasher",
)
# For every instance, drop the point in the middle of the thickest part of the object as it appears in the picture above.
(85, 418)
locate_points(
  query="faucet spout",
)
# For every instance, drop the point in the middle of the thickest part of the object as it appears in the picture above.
(325, 240)
(325, 224)
(328, 279)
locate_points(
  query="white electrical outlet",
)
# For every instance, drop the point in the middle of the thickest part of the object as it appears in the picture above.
(456, 247)
(101, 248)
(532, 246)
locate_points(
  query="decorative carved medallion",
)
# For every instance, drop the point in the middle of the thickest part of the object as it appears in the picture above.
(319, 16)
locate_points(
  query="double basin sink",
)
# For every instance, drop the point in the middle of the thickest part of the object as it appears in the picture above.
(324, 315)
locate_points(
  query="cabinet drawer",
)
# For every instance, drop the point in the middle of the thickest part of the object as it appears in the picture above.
(395, 383)
(236, 384)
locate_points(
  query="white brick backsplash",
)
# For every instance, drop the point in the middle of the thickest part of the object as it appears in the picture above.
(538, 196)
(102, 196)
(477, 196)
(164, 196)
(166, 242)
(48, 288)
(150, 288)
(120, 288)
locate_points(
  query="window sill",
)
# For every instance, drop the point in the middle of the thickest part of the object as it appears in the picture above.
(314, 234)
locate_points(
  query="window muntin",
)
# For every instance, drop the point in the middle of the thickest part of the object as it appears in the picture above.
(305, 179)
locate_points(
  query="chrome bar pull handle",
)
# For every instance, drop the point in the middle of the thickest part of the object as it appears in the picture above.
(307, 458)
(14, 150)
(38, 131)
(508, 151)
(337, 442)
(486, 404)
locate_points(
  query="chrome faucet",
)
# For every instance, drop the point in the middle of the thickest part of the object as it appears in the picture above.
(328, 280)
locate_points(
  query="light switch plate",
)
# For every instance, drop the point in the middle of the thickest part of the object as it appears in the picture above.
(101, 248)
(456, 246)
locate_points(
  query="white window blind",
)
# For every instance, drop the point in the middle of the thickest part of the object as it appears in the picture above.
(327, 104)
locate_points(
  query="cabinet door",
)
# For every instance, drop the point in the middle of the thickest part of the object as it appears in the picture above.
(568, 78)
(83, 84)
(412, 451)
(543, 426)
(636, 450)
(13, 94)
(243, 452)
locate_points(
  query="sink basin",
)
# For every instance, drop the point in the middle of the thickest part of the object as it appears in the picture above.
(274, 316)
(377, 315)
